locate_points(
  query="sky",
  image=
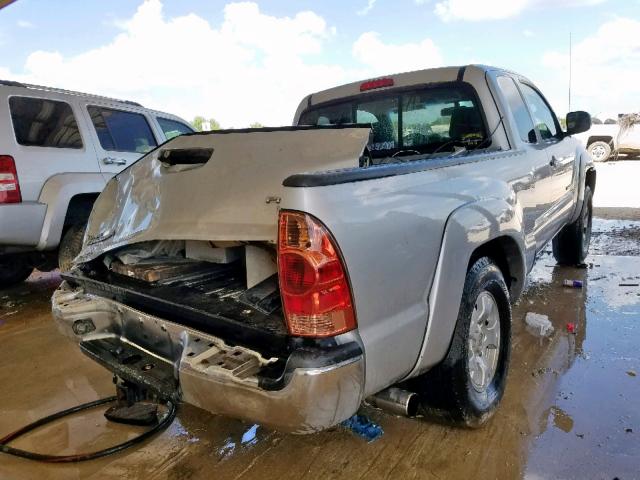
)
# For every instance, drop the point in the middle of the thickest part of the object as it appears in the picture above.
(253, 61)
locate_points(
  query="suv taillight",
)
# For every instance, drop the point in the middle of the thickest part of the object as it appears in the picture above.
(313, 283)
(9, 185)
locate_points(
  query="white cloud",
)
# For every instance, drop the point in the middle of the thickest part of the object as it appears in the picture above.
(367, 8)
(381, 58)
(25, 24)
(527, 33)
(477, 10)
(605, 69)
(251, 67)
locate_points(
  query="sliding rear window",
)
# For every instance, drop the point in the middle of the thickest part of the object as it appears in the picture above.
(419, 121)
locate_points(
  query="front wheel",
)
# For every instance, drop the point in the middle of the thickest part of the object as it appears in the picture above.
(468, 385)
(571, 244)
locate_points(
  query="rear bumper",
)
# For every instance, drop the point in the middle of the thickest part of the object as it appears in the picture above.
(214, 376)
(21, 223)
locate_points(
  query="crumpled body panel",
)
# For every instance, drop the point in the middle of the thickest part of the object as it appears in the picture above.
(233, 196)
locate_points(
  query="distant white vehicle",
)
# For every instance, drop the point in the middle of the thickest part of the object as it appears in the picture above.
(602, 141)
(58, 149)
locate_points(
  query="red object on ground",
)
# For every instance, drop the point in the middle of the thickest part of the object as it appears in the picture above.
(571, 327)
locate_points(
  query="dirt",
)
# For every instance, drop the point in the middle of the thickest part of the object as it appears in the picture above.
(569, 411)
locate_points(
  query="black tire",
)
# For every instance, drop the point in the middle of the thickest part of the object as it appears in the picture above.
(599, 151)
(571, 244)
(448, 388)
(13, 270)
(70, 246)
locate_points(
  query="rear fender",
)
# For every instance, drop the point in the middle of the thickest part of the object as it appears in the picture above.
(468, 228)
(56, 193)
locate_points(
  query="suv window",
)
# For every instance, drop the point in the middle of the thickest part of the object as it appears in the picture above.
(122, 131)
(173, 128)
(543, 115)
(518, 109)
(40, 122)
(427, 120)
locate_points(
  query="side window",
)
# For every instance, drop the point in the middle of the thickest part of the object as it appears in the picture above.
(172, 128)
(382, 115)
(518, 109)
(122, 131)
(40, 122)
(543, 115)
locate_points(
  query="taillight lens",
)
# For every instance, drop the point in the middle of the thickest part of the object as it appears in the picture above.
(9, 186)
(313, 283)
(377, 83)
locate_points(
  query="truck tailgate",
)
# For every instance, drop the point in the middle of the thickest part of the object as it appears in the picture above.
(215, 186)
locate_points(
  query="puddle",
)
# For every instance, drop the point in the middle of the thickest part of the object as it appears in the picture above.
(570, 409)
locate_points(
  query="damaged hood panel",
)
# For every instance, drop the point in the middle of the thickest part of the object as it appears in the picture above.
(221, 186)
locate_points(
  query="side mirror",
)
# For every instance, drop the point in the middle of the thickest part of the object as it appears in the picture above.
(578, 122)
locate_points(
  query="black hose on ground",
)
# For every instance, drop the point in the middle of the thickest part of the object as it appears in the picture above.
(80, 457)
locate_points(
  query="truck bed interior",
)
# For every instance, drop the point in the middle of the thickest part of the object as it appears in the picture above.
(206, 296)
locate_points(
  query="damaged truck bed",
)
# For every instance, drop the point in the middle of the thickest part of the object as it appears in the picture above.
(284, 275)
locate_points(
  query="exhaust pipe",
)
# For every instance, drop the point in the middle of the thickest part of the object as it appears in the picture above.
(397, 401)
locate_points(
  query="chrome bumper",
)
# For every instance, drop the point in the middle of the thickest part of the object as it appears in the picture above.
(215, 376)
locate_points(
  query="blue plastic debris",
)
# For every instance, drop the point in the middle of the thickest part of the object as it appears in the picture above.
(362, 426)
(249, 437)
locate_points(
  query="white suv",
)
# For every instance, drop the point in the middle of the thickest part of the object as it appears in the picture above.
(57, 151)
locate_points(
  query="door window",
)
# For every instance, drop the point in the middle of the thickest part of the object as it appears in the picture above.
(39, 122)
(172, 128)
(122, 131)
(524, 124)
(543, 116)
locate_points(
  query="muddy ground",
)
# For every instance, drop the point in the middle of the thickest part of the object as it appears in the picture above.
(571, 409)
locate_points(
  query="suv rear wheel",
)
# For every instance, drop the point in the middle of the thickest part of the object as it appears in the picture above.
(13, 270)
(70, 246)
(468, 385)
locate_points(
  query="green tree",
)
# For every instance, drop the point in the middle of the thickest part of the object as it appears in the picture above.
(199, 121)
(256, 125)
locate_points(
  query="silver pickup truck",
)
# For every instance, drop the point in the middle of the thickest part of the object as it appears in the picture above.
(285, 275)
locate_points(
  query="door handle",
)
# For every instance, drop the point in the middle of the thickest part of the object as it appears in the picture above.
(554, 161)
(114, 161)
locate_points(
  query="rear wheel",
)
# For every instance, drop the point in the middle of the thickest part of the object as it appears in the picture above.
(468, 385)
(571, 244)
(13, 270)
(600, 151)
(70, 246)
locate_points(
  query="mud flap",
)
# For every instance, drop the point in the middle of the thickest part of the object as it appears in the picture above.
(134, 365)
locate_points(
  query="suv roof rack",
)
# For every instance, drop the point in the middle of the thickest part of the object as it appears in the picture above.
(13, 83)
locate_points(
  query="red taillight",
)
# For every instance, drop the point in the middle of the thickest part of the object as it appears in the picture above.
(313, 283)
(9, 185)
(377, 83)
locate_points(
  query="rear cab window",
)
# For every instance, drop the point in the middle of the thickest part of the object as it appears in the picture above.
(173, 128)
(432, 119)
(40, 122)
(122, 131)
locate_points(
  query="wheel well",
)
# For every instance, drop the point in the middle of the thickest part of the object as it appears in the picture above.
(605, 139)
(504, 251)
(590, 179)
(79, 208)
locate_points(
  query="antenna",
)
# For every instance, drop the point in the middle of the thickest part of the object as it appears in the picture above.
(569, 71)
